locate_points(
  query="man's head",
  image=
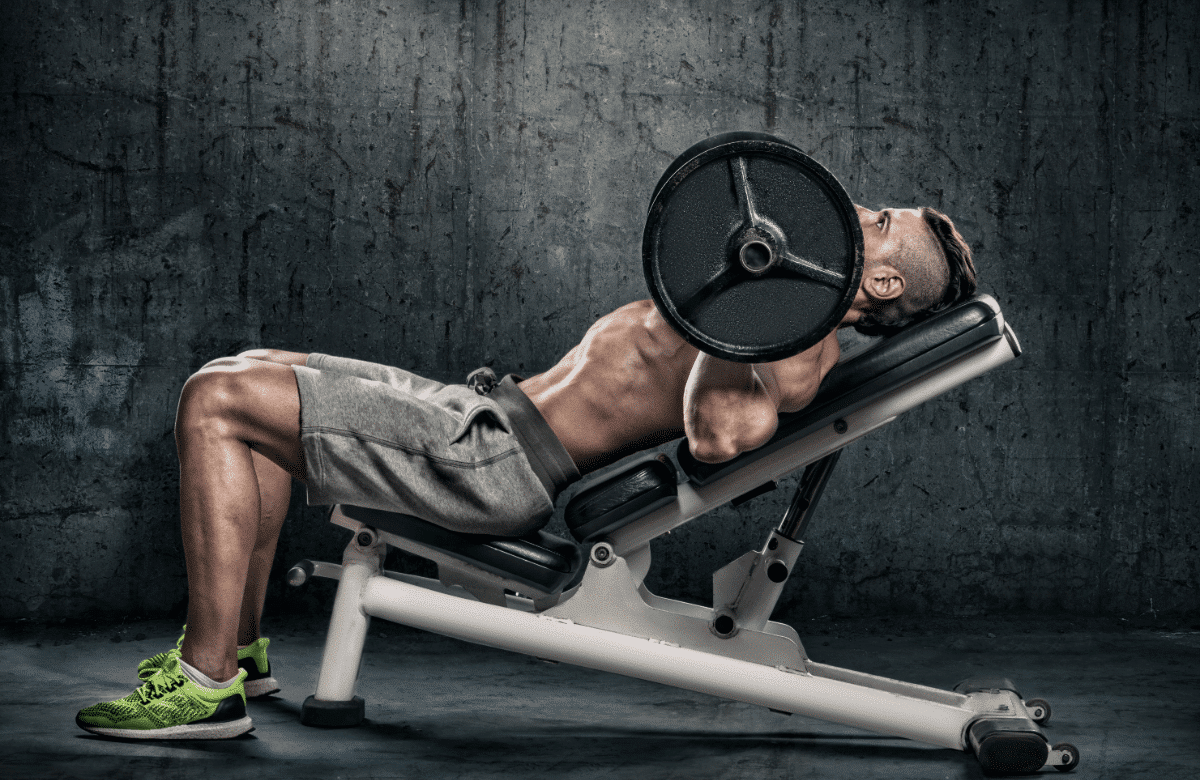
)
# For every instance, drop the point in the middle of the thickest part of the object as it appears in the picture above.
(915, 264)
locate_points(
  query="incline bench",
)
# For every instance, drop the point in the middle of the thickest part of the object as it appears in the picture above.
(584, 602)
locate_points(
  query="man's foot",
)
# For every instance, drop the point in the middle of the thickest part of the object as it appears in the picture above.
(170, 705)
(252, 658)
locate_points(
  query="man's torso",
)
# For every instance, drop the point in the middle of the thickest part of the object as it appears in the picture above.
(621, 388)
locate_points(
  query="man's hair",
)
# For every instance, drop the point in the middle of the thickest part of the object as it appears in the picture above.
(923, 281)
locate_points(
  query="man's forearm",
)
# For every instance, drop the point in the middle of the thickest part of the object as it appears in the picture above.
(727, 409)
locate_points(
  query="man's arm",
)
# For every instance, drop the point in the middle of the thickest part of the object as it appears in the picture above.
(727, 409)
(731, 408)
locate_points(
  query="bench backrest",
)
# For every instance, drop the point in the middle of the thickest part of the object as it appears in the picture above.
(885, 366)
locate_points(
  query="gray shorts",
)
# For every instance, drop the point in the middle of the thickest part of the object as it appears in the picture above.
(385, 438)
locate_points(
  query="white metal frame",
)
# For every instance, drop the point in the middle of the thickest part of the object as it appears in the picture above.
(611, 622)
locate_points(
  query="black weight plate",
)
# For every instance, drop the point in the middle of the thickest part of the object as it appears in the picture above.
(752, 193)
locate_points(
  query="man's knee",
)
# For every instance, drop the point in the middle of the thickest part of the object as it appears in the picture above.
(275, 356)
(262, 355)
(219, 362)
(211, 396)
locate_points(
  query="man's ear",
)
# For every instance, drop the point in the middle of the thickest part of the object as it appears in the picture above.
(883, 283)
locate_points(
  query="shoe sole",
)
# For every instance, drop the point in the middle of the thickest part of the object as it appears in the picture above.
(256, 689)
(226, 730)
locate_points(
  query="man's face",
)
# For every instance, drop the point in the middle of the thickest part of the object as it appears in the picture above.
(885, 231)
(885, 234)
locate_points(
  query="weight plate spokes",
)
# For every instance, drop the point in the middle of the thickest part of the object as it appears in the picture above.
(752, 250)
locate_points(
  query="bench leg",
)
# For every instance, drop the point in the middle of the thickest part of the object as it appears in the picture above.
(334, 703)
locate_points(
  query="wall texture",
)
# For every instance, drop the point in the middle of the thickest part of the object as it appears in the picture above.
(443, 185)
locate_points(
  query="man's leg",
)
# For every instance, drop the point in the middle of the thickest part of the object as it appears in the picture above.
(233, 413)
(230, 411)
(275, 492)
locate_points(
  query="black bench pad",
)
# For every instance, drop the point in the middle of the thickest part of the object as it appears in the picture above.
(621, 498)
(541, 560)
(850, 385)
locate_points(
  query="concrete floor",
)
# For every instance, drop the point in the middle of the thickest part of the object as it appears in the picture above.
(1128, 697)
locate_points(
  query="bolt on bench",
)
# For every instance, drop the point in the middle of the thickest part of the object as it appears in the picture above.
(583, 600)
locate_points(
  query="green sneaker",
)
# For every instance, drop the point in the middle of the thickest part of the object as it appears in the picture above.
(252, 658)
(170, 706)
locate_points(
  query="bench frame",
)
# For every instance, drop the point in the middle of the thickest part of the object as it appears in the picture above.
(611, 622)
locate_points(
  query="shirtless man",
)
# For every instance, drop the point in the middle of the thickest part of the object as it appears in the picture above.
(364, 434)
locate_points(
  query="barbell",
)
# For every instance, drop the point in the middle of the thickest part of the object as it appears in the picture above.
(752, 250)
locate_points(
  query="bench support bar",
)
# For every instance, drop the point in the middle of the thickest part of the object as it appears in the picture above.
(799, 686)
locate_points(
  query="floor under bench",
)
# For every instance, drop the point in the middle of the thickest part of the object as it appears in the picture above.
(1126, 693)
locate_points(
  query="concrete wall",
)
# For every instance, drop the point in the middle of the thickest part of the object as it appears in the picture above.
(443, 185)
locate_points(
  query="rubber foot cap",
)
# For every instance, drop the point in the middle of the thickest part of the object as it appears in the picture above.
(332, 714)
(1012, 753)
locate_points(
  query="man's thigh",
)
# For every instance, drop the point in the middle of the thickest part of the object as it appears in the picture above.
(385, 438)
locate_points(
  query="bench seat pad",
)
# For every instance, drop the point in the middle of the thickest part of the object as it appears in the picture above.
(546, 562)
